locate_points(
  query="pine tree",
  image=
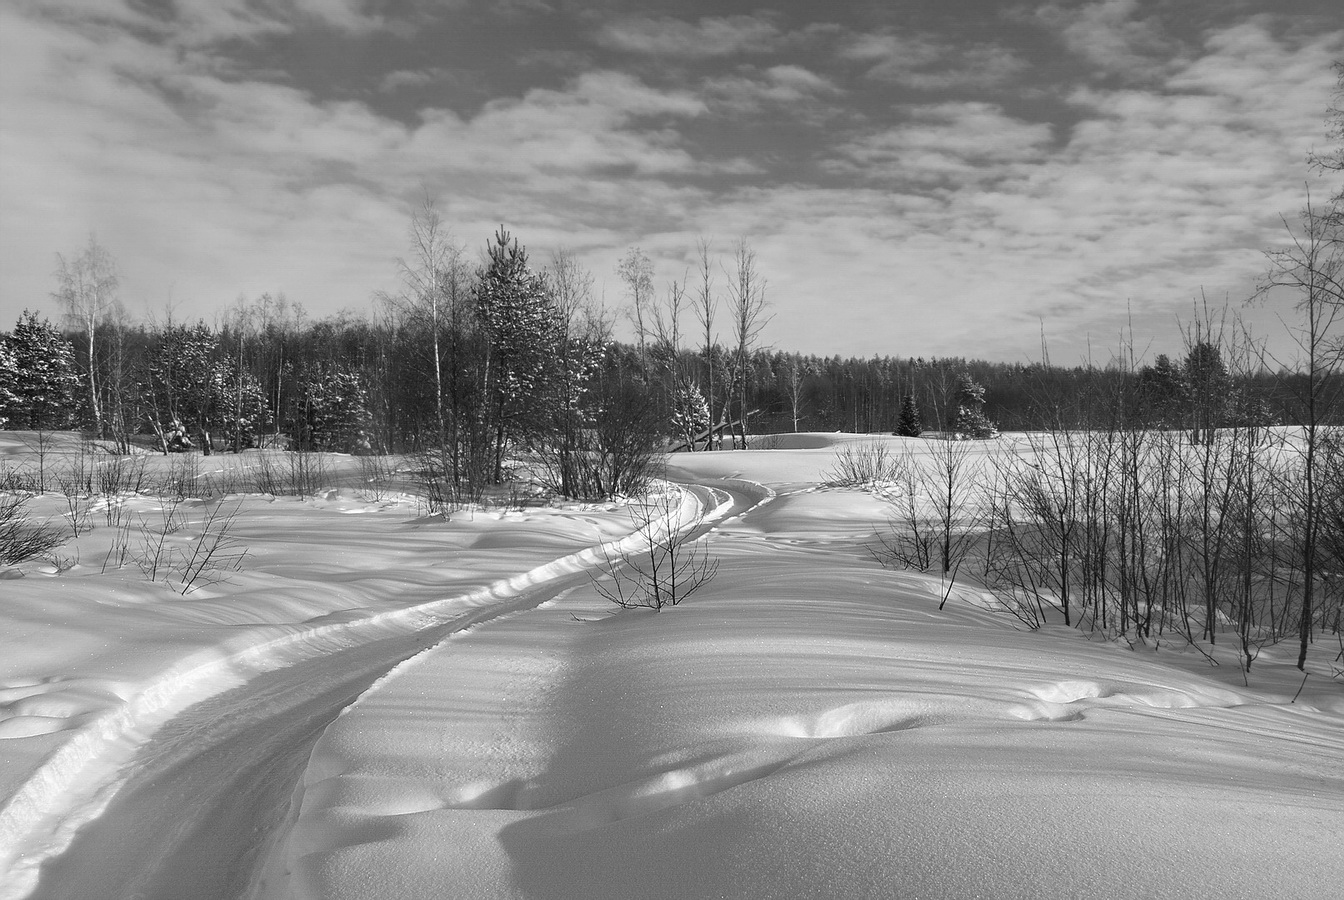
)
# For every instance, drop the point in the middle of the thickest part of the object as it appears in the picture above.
(970, 423)
(238, 404)
(690, 412)
(335, 412)
(1207, 381)
(181, 381)
(523, 332)
(909, 424)
(1162, 391)
(9, 382)
(46, 380)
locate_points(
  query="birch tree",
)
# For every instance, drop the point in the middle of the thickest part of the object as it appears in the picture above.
(88, 292)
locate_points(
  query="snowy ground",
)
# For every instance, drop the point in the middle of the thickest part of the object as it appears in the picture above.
(808, 725)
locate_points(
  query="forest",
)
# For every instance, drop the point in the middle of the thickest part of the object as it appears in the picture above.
(475, 365)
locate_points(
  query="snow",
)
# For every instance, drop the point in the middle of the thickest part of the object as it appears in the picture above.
(806, 725)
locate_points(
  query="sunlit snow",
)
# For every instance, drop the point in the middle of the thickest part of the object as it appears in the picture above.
(807, 725)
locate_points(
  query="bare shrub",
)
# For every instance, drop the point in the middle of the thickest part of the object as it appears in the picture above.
(867, 465)
(266, 475)
(933, 522)
(181, 482)
(42, 446)
(375, 474)
(307, 472)
(668, 567)
(156, 552)
(118, 475)
(75, 483)
(19, 539)
(215, 551)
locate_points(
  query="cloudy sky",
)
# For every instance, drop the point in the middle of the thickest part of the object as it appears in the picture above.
(928, 177)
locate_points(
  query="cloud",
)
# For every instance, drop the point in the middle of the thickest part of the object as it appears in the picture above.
(933, 227)
(709, 37)
(968, 143)
(751, 91)
(927, 62)
(1111, 36)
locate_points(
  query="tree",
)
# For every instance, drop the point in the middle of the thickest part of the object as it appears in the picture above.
(522, 332)
(1161, 391)
(746, 298)
(797, 373)
(706, 303)
(970, 422)
(636, 270)
(45, 381)
(335, 412)
(1312, 266)
(9, 382)
(434, 291)
(1207, 383)
(583, 333)
(88, 291)
(182, 383)
(909, 423)
(1332, 160)
(238, 403)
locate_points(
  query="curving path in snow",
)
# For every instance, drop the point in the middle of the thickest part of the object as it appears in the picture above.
(808, 725)
(190, 808)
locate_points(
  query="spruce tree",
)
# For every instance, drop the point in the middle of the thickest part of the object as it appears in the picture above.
(46, 379)
(909, 424)
(970, 423)
(9, 382)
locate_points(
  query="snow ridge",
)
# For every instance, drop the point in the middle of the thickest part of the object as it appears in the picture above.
(76, 783)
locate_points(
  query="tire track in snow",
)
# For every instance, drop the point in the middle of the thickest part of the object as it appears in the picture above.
(80, 779)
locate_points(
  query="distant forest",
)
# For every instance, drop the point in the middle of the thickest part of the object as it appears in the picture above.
(268, 370)
(478, 364)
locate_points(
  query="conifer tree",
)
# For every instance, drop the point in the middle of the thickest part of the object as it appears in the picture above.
(45, 379)
(970, 423)
(523, 331)
(9, 382)
(181, 381)
(335, 412)
(909, 423)
(1207, 381)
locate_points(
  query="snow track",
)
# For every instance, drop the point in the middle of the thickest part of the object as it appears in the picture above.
(78, 781)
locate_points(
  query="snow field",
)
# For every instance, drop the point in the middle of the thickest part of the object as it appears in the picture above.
(809, 725)
(94, 662)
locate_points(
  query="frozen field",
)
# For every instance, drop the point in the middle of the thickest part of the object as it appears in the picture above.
(807, 725)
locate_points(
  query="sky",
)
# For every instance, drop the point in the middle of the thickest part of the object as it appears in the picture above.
(915, 178)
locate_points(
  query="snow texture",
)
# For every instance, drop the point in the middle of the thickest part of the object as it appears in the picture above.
(807, 725)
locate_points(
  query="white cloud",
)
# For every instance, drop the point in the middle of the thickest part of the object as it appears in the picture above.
(927, 62)
(709, 37)
(750, 91)
(946, 229)
(1112, 36)
(971, 142)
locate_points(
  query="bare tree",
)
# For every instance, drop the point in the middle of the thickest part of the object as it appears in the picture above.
(797, 372)
(706, 303)
(88, 291)
(636, 270)
(746, 299)
(1312, 266)
(434, 290)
